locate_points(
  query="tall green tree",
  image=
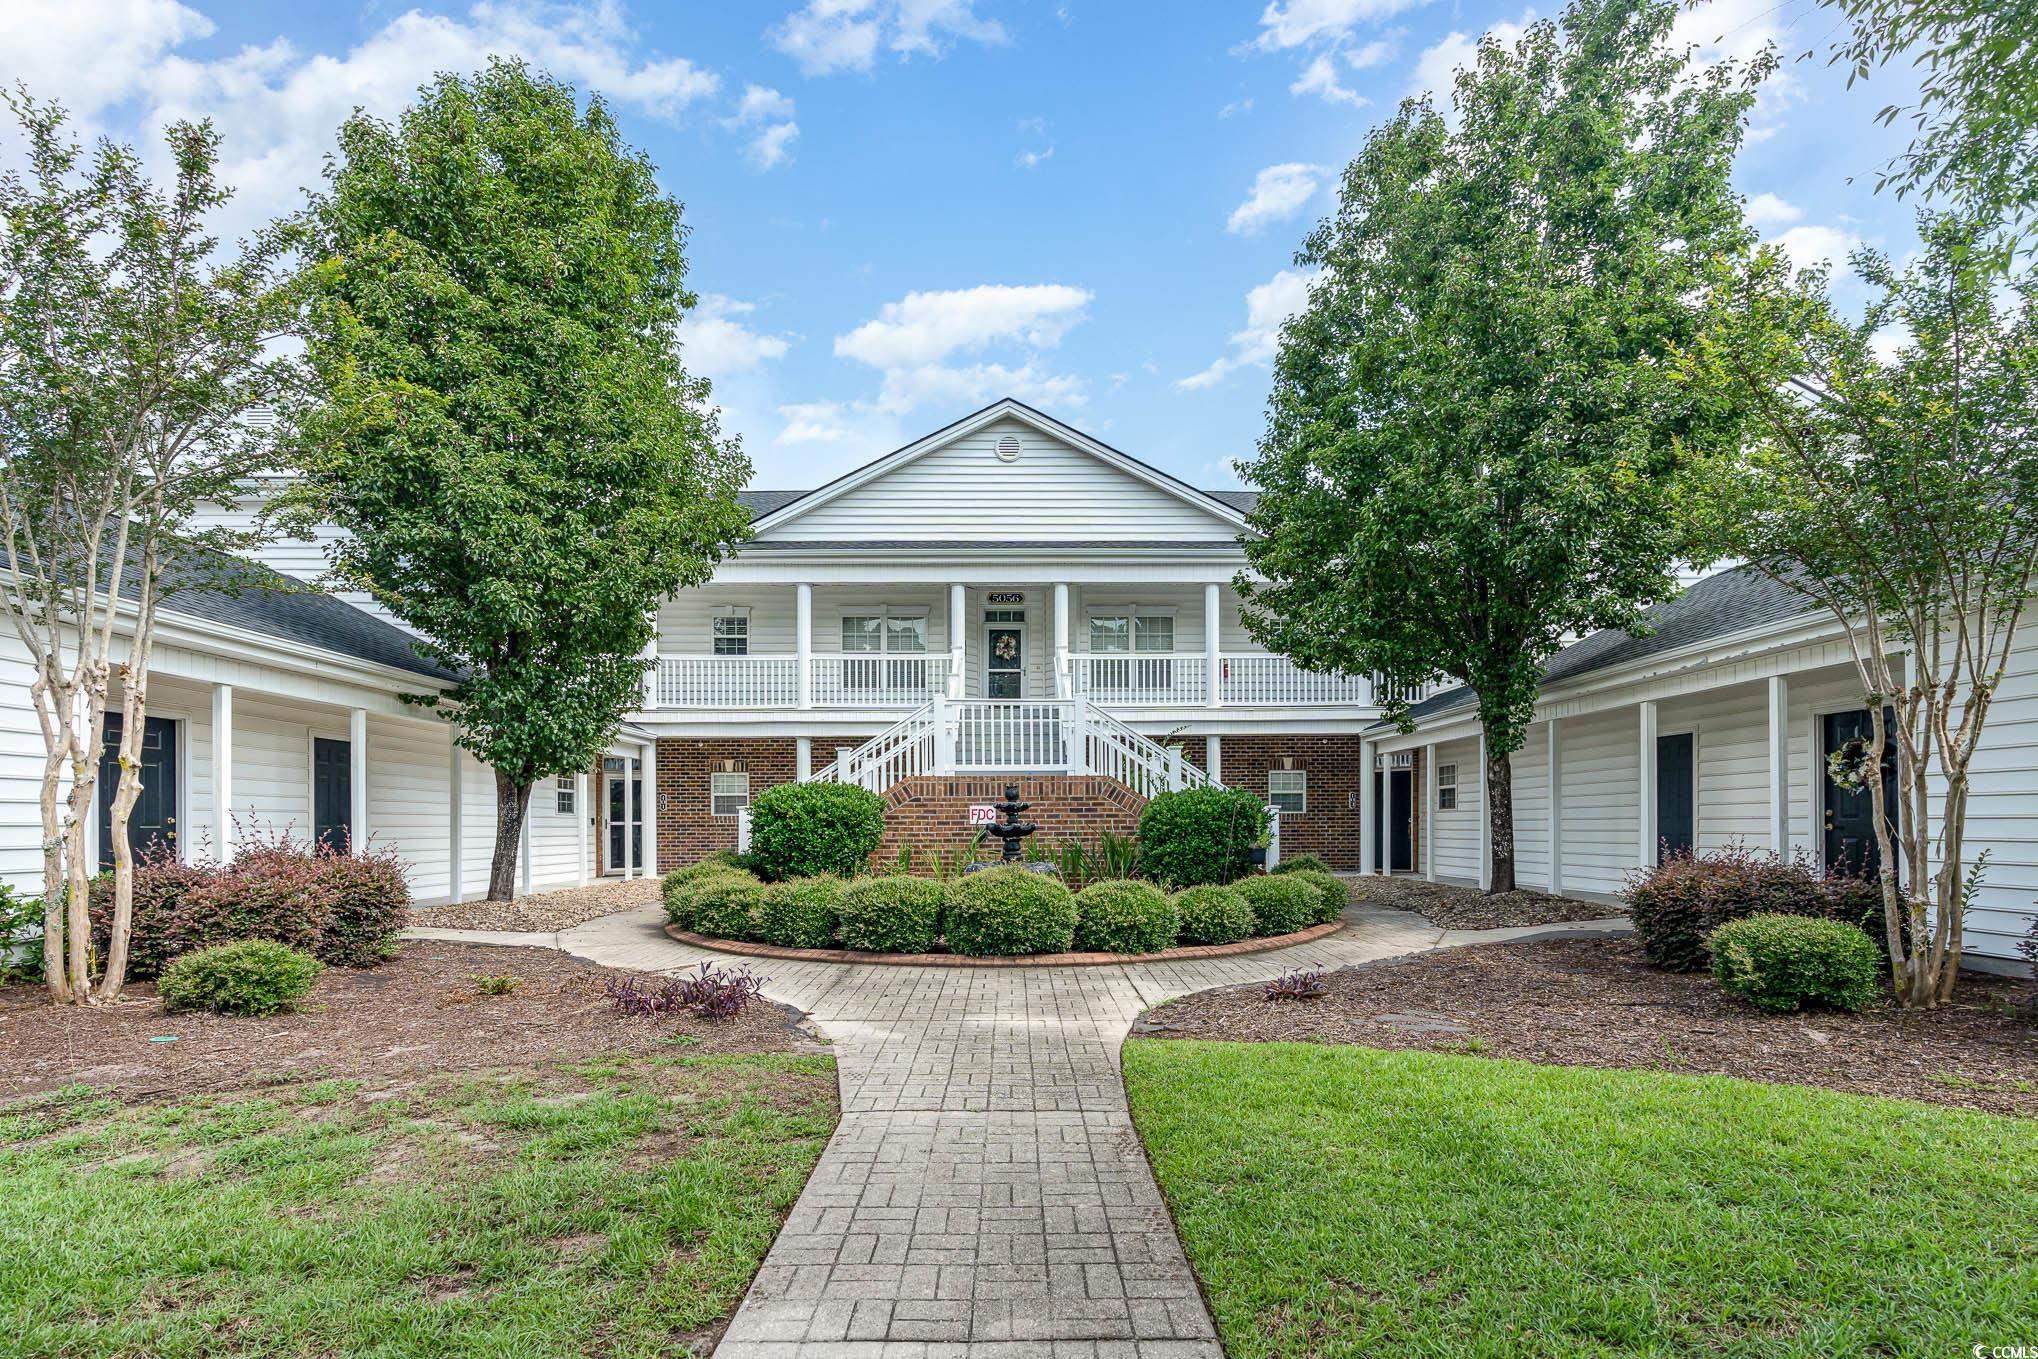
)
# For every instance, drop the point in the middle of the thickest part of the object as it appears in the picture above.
(1474, 429)
(1901, 492)
(521, 464)
(133, 345)
(1974, 122)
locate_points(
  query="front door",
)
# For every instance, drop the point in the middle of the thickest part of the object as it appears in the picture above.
(626, 830)
(1401, 821)
(332, 793)
(1004, 661)
(1676, 795)
(1850, 813)
(153, 822)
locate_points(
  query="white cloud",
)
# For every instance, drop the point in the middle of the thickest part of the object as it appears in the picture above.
(1436, 70)
(844, 35)
(925, 327)
(814, 422)
(768, 148)
(1301, 23)
(762, 104)
(1236, 107)
(1378, 52)
(1739, 30)
(1267, 309)
(1029, 160)
(1319, 78)
(977, 384)
(89, 54)
(1278, 193)
(1767, 210)
(716, 342)
(1807, 246)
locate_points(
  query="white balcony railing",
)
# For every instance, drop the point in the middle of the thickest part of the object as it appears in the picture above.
(879, 681)
(1251, 677)
(728, 681)
(1140, 679)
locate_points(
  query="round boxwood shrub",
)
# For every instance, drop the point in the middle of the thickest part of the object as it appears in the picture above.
(1783, 962)
(1122, 916)
(1331, 893)
(891, 915)
(1005, 911)
(725, 904)
(249, 977)
(800, 913)
(1678, 904)
(801, 830)
(1200, 835)
(1214, 915)
(1282, 903)
(1301, 863)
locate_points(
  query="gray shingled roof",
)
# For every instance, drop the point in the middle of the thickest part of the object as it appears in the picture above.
(1732, 601)
(761, 503)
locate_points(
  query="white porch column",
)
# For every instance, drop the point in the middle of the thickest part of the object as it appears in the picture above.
(803, 758)
(1645, 785)
(803, 634)
(1212, 679)
(357, 774)
(648, 807)
(1426, 824)
(1064, 679)
(958, 630)
(1779, 765)
(1213, 756)
(1555, 755)
(456, 818)
(1485, 817)
(222, 774)
(1368, 832)
(632, 811)
(581, 809)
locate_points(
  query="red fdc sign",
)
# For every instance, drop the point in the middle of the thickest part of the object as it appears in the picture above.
(983, 815)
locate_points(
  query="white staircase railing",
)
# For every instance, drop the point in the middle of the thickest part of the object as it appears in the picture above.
(1007, 736)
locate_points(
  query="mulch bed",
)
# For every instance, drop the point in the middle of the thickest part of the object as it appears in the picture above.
(417, 1014)
(1467, 908)
(543, 912)
(1593, 1002)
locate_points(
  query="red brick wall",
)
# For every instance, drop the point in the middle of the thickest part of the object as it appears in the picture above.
(688, 831)
(932, 814)
(1330, 826)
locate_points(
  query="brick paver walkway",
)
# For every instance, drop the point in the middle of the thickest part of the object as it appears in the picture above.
(985, 1193)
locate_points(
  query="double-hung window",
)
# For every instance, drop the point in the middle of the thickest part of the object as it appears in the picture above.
(731, 635)
(1447, 787)
(728, 793)
(885, 655)
(566, 794)
(1288, 790)
(1133, 655)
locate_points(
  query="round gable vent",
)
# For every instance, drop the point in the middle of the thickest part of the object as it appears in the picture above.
(1008, 448)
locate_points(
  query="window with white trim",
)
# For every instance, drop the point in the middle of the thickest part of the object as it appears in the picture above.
(882, 636)
(566, 794)
(728, 793)
(1447, 787)
(731, 635)
(1288, 790)
(1146, 640)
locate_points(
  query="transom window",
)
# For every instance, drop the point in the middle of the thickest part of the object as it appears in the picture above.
(728, 794)
(1288, 789)
(732, 634)
(1447, 787)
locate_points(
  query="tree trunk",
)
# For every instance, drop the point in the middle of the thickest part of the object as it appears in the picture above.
(1500, 820)
(133, 716)
(511, 801)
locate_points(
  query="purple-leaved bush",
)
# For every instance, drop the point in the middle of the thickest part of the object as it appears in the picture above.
(709, 991)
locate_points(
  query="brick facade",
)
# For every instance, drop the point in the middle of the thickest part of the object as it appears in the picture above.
(1329, 827)
(931, 815)
(688, 831)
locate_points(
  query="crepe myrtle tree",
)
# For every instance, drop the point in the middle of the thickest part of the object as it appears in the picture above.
(1899, 490)
(133, 349)
(1474, 433)
(506, 433)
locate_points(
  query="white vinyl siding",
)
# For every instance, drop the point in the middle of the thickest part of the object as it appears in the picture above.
(1601, 829)
(1529, 779)
(1456, 830)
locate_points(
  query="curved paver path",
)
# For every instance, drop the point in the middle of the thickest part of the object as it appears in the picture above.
(985, 1192)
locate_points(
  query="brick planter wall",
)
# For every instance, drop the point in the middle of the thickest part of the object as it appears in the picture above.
(932, 814)
(1330, 826)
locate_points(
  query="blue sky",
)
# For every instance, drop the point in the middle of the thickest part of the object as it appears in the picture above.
(902, 209)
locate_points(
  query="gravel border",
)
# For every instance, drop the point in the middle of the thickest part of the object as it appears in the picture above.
(1456, 907)
(542, 912)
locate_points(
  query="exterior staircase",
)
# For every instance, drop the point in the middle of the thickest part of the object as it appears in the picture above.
(974, 736)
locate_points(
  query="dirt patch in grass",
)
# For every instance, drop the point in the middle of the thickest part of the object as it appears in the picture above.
(1593, 1002)
(544, 912)
(420, 1012)
(1467, 908)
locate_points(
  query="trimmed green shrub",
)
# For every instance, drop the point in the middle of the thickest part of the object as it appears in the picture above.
(1123, 916)
(803, 830)
(1214, 915)
(1682, 900)
(1005, 911)
(1282, 903)
(1331, 891)
(248, 977)
(1200, 835)
(800, 913)
(724, 905)
(891, 915)
(1783, 962)
(1301, 863)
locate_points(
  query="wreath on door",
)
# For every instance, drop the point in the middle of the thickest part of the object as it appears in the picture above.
(1006, 647)
(1847, 766)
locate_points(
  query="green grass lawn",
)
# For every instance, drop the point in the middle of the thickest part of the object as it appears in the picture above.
(1342, 1201)
(594, 1208)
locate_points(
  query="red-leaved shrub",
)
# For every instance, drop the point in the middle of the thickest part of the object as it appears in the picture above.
(1680, 902)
